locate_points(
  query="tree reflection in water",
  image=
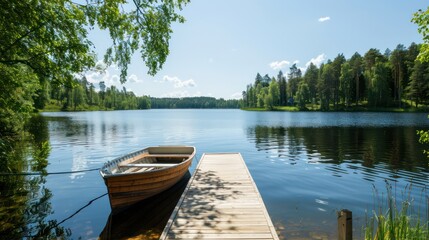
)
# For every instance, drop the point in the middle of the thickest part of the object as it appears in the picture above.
(369, 149)
(24, 199)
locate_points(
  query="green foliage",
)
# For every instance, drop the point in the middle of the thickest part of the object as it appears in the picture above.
(262, 93)
(310, 77)
(395, 222)
(378, 91)
(273, 97)
(424, 139)
(325, 85)
(45, 41)
(373, 82)
(418, 89)
(17, 84)
(346, 83)
(193, 102)
(421, 18)
(303, 95)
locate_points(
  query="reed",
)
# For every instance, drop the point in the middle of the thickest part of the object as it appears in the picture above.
(393, 221)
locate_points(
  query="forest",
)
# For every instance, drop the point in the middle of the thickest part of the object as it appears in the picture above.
(194, 102)
(81, 95)
(394, 79)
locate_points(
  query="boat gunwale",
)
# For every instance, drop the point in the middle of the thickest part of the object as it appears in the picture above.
(118, 160)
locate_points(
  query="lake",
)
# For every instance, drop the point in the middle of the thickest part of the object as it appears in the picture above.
(307, 166)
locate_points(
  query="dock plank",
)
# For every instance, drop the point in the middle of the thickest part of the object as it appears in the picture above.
(221, 201)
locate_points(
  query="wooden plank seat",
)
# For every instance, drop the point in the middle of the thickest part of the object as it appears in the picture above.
(147, 165)
(130, 170)
(167, 155)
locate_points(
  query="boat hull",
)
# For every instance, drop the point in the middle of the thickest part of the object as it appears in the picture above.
(128, 189)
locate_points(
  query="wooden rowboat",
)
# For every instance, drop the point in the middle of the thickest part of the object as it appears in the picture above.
(145, 173)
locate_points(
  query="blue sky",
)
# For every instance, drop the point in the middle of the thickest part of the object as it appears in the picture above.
(224, 43)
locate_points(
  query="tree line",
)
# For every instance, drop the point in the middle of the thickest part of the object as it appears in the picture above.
(81, 95)
(392, 79)
(194, 102)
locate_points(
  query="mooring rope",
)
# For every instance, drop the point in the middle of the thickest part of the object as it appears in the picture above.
(47, 173)
(72, 215)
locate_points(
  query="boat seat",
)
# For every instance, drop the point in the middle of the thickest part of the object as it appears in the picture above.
(130, 170)
(169, 155)
(144, 169)
(147, 165)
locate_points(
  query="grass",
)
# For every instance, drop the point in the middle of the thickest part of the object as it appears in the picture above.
(55, 106)
(393, 222)
(278, 108)
(341, 108)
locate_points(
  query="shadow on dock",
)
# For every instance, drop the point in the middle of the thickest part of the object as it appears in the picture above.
(146, 219)
(222, 202)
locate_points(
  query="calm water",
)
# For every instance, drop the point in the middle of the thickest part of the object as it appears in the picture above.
(307, 166)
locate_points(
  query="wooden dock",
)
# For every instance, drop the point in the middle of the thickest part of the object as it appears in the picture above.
(221, 201)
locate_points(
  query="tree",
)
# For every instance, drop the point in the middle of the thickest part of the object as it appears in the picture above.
(102, 86)
(325, 85)
(91, 95)
(310, 77)
(294, 77)
(418, 89)
(399, 71)
(78, 96)
(262, 93)
(421, 18)
(370, 58)
(250, 93)
(48, 39)
(346, 83)
(266, 81)
(258, 79)
(281, 79)
(303, 95)
(378, 90)
(356, 63)
(273, 95)
(17, 86)
(336, 65)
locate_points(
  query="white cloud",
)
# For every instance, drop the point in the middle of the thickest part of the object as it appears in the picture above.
(181, 94)
(105, 76)
(279, 64)
(317, 60)
(237, 95)
(324, 19)
(113, 80)
(296, 62)
(134, 79)
(178, 83)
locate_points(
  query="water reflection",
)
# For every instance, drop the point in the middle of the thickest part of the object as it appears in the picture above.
(24, 200)
(389, 151)
(146, 219)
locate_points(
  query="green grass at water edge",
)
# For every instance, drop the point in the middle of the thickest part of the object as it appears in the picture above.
(278, 108)
(392, 222)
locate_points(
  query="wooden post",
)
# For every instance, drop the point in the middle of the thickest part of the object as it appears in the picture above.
(345, 226)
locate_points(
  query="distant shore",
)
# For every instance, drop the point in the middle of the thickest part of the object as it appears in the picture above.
(340, 109)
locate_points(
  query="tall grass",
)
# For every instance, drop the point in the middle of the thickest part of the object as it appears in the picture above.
(393, 221)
